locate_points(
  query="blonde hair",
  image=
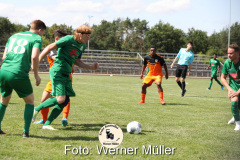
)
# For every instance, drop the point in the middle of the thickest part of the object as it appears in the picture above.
(83, 29)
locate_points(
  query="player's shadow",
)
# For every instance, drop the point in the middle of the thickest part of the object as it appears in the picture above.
(83, 127)
(176, 104)
(208, 96)
(67, 138)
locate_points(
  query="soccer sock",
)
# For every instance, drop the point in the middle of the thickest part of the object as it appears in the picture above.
(160, 95)
(219, 82)
(46, 104)
(180, 84)
(54, 114)
(44, 114)
(2, 112)
(210, 85)
(143, 97)
(28, 114)
(183, 86)
(235, 110)
(66, 110)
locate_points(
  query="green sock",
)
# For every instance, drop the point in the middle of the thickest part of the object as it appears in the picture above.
(54, 114)
(210, 85)
(235, 110)
(28, 114)
(219, 82)
(2, 112)
(46, 104)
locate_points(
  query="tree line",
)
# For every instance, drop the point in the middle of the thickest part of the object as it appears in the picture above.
(136, 36)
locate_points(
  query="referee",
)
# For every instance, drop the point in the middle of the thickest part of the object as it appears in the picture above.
(185, 58)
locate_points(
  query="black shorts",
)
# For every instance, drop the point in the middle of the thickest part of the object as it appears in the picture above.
(181, 71)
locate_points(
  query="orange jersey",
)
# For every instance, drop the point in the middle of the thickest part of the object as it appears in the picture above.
(154, 64)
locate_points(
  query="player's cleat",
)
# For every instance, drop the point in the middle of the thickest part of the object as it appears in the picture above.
(183, 92)
(2, 133)
(25, 135)
(162, 102)
(208, 89)
(231, 121)
(222, 87)
(237, 128)
(34, 115)
(48, 127)
(64, 122)
(141, 102)
(38, 122)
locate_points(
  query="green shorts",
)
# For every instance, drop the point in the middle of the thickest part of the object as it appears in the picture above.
(9, 82)
(214, 74)
(61, 84)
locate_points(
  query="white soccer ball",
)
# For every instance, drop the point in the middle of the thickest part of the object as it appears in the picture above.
(134, 127)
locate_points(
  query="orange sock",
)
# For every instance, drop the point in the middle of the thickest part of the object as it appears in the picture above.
(160, 95)
(66, 110)
(45, 114)
(143, 97)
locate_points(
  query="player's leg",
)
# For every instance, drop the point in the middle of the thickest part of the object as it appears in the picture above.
(210, 84)
(66, 110)
(160, 92)
(45, 111)
(184, 75)
(144, 92)
(178, 74)
(235, 112)
(222, 86)
(3, 105)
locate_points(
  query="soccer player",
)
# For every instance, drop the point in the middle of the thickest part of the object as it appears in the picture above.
(70, 49)
(48, 89)
(155, 63)
(185, 58)
(231, 67)
(21, 50)
(215, 66)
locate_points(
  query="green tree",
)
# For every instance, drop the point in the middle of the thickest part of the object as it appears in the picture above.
(6, 30)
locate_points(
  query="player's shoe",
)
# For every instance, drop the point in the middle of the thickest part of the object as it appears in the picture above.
(208, 89)
(38, 122)
(25, 135)
(34, 115)
(237, 128)
(141, 102)
(64, 122)
(162, 102)
(2, 133)
(183, 92)
(48, 127)
(231, 121)
(222, 87)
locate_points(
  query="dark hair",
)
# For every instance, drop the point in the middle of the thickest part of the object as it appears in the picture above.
(190, 43)
(235, 47)
(60, 33)
(215, 54)
(154, 48)
(38, 24)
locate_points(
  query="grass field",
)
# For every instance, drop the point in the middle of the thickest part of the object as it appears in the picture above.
(196, 125)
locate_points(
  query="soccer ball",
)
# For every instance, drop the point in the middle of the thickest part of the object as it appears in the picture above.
(134, 127)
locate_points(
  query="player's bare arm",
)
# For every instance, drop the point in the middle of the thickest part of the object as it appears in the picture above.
(208, 67)
(80, 64)
(166, 71)
(190, 67)
(231, 92)
(143, 69)
(47, 50)
(35, 64)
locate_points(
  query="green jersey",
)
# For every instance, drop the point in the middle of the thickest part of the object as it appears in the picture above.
(19, 51)
(215, 63)
(68, 51)
(234, 74)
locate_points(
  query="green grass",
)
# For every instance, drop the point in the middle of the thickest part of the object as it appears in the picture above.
(195, 124)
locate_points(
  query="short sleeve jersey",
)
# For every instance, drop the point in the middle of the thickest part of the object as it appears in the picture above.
(234, 74)
(68, 51)
(214, 64)
(19, 51)
(154, 64)
(185, 58)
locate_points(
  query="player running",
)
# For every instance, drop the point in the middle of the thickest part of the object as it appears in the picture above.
(215, 67)
(70, 49)
(48, 89)
(231, 67)
(155, 63)
(185, 58)
(21, 50)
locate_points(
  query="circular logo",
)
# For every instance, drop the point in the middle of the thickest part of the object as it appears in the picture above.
(110, 136)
